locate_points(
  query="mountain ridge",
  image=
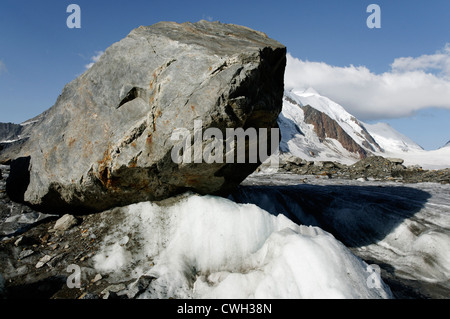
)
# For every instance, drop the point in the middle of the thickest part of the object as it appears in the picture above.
(329, 133)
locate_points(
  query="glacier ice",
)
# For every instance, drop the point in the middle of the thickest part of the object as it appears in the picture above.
(211, 247)
(405, 228)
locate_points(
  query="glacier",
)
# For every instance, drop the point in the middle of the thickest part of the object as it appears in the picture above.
(211, 247)
(285, 236)
(403, 228)
(279, 235)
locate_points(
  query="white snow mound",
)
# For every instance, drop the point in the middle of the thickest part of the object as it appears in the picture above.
(211, 247)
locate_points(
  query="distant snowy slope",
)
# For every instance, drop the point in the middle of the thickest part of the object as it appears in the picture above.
(398, 145)
(390, 139)
(436, 159)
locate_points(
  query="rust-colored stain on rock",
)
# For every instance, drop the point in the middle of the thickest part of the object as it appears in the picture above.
(103, 170)
(149, 139)
(71, 142)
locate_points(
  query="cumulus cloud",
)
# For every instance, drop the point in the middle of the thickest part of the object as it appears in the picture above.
(411, 84)
(440, 62)
(94, 59)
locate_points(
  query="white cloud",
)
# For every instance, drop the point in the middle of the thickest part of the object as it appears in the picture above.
(94, 59)
(440, 61)
(408, 87)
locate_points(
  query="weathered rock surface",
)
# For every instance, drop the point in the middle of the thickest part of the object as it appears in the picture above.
(107, 140)
(65, 223)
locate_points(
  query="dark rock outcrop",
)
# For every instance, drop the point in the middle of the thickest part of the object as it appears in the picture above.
(9, 131)
(326, 127)
(107, 140)
(372, 167)
(14, 136)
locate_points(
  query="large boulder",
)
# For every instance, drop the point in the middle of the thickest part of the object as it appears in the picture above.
(107, 141)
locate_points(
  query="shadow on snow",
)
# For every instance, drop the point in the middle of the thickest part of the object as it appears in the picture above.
(356, 215)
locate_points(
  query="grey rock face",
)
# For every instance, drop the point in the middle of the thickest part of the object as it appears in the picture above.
(9, 131)
(107, 140)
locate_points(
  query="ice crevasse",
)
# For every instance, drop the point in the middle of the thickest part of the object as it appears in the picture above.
(211, 247)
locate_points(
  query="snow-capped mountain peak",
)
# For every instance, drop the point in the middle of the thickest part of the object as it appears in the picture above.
(304, 92)
(321, 103)
(315, 128)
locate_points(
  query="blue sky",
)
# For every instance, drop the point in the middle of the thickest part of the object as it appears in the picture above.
(39, 54)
